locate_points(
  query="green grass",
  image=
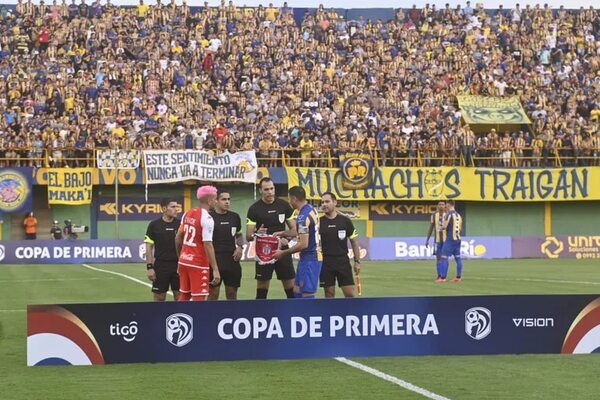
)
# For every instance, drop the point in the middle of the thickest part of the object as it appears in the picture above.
(474, 377)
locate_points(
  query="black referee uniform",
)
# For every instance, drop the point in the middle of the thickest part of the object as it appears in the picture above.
(272, 217)
(227, 227)
(161, 234)
(335, 233)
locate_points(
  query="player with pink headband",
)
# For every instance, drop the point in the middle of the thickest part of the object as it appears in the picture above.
(194, 244)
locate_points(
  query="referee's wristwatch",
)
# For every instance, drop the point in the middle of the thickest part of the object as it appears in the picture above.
(149, 266)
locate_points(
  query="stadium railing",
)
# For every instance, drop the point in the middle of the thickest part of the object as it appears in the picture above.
(328, 158)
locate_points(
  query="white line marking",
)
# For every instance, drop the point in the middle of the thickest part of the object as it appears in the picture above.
(536, 280)
(52, 280)
(392, 379)
(131, 278)
(13, 310)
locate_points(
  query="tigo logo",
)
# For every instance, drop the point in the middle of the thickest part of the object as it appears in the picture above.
(128, 332)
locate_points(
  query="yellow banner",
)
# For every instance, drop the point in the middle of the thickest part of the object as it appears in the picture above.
(70, 186)
(492, 110)
(458, 183)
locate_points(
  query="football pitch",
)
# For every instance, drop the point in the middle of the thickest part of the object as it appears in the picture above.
(436, 377)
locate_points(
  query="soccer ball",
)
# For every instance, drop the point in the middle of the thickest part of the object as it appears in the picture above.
(174, 324)
(472, 317)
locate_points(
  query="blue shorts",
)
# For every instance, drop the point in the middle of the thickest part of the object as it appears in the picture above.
(451, 248)
(307, 275)
(438, 249)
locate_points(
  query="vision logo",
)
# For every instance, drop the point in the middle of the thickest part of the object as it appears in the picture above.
(478, 322)
(180, 329)
(552, 247)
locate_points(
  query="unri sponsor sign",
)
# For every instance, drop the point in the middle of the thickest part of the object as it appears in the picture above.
(560, 246)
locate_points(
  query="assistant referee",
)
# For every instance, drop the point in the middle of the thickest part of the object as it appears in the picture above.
(229, 247)
(335, 230)
(161, 257)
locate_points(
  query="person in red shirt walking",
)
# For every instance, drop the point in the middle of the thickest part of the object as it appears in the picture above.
(194, 244)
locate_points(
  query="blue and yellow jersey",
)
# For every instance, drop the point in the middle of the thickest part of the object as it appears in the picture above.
(453, 225)
(437, 219)
(308, 223)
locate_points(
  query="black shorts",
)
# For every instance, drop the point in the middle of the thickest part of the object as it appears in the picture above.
(166, 276)
(336, 268)
(230, 270)
(284, 268)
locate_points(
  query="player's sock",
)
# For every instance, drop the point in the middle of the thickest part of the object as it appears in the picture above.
(443, 267)
(261, 293)
(289, 293)
(459, 266)
(311, 296)
(184, 296)
(439, 269)
(297, 295)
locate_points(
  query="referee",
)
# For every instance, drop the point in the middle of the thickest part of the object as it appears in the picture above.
(229, 247)
(161, 257)
(269, 215)
(335, 230)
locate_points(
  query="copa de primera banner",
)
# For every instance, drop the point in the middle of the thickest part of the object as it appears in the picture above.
(164, 166)
(71, 186)
(85, 334)
(492, 110)
(457, 183)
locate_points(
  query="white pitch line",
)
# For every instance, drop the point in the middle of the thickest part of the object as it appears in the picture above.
(535, 280)
(131, 278)
(391, 379)
(7, 311)
(51, 280)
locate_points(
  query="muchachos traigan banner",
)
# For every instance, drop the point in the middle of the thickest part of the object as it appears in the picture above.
(457, 183)
(164, 166)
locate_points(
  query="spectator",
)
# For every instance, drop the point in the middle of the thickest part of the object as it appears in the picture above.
(30, 224)
(144, 77)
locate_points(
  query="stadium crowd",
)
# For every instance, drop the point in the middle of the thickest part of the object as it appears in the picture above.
(76, 77)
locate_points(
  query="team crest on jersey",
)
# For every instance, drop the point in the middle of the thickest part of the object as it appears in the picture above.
(281, 218)
(342, 234)
(233, 230)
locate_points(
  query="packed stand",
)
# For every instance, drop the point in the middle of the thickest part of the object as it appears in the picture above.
(78, 77)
